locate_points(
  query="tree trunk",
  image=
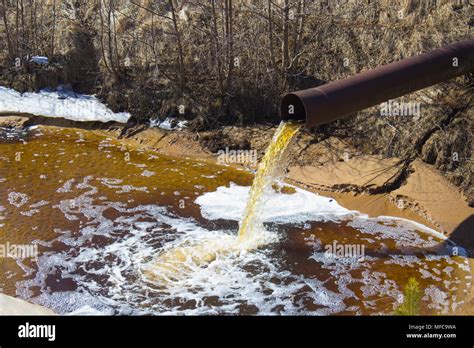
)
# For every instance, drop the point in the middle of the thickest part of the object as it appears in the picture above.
(11, 53)
(104, 56)
(217, 46)
(17, 29)
(270, 34)
(285, 48)
(54, 28)
(230, 39)
(110, 40)
(180, 48)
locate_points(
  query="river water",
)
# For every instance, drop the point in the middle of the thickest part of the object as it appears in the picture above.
(100, 212)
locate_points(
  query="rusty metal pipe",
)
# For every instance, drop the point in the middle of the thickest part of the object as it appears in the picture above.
(341, 98)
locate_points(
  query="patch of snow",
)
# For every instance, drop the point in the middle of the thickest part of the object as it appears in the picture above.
(40, 60)
(229, 203)
(167, 124)
(69, 105)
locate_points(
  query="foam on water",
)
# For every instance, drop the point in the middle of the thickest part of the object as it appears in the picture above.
(128, 290)
(113, 279)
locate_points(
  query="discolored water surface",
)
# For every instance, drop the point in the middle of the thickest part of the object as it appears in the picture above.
(100, 213)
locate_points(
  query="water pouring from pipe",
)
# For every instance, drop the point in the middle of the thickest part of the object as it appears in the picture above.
(176, 262)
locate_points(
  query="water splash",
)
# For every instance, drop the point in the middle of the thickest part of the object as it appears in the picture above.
(179, 261)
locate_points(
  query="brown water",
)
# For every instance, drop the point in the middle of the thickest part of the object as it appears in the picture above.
(101, 212)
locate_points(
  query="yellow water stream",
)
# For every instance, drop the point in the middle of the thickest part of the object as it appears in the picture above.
(266, 175)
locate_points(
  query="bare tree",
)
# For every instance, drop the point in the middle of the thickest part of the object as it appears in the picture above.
(217, 47)
(177, 33)
(101, 38)
(285, 42)
(11, 52)
(230, 41)
(270, 33)
(53, 29)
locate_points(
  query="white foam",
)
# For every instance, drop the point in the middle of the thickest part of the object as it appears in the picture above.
(229, 203)
(253, 279)
(413, 223)
(17, 199)
(71, 106)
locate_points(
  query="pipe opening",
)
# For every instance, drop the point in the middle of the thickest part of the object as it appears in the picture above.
(292, 108)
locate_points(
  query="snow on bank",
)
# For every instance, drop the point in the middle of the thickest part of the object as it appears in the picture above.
(229, 202)
(65, 104)
(167, 124)
(42, 60)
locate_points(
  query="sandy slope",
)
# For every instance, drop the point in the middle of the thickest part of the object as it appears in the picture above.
(13, 306)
